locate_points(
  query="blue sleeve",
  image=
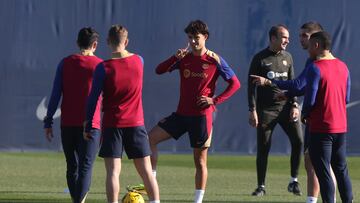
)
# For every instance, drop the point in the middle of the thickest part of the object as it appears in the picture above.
(296, 92)
(96, 89)
(292, 85)
(312, 85)
(295, 87)
(225, 70)
(348, 87)
(55, 96)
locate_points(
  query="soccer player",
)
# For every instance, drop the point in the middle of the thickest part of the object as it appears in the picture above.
(296, 87)
(326, 95)
(266, 112)
(199, 70)
(73, 83)
(120, 80)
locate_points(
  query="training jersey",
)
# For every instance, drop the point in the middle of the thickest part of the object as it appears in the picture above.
(120, 80)
(198, 76)
(273, 66)
(73, 83)
(326, 95)
(295, 87)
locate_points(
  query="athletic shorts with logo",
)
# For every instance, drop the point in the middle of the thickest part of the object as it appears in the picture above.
(199, 128)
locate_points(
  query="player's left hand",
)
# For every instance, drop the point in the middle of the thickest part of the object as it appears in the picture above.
(294, 114)
(87, 136)
(204, 101)
(261, 81)
(49, 134)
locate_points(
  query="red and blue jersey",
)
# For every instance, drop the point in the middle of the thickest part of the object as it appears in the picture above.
(120, 80)
(73, 83)
(198, 76)
(326, 95)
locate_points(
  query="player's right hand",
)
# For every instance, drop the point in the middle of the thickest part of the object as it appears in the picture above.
(49, 134)
(181, 53)
(253, 119)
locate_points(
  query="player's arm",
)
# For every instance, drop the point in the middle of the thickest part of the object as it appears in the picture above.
(251, 91)
(295, 85)
(348, 85)
(172, 63)
(229, 76)
(312, 85)
(233, 85)
(96, 89)
(54, 101)
(291, 76)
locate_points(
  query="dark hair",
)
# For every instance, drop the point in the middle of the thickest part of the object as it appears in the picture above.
(323, 38)
(197, 27)
(312, 26)
(117, 34)
(86, 37)
(274, 30)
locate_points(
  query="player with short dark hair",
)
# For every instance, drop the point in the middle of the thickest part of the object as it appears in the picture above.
(120, 80)
(296, 87)
(73, 83)
(265, 112)
(326, 95)
(199, 70)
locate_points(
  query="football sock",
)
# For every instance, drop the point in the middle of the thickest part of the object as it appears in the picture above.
(199, 195)
(155, 201)
(310, 199)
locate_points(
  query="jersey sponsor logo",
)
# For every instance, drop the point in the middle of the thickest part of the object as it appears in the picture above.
(187, 73)
(272, 74)
(41, 110)
(285, 62)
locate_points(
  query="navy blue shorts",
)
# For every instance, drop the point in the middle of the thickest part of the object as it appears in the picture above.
(198, 127)
(134, 140)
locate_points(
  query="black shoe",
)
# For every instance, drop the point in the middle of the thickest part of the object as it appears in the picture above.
(293, 187)
(260, 191)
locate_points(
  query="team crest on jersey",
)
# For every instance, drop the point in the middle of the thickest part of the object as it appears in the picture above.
(205, 66)
(186, 73)
(285, 62)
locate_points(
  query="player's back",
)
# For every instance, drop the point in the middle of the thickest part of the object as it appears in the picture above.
(122, 92)
(329, 112)
(77, 74)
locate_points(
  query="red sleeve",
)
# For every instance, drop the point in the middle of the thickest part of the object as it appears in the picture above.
(233, 86)
(167, 65)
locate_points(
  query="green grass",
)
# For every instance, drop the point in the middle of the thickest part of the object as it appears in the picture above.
(40, 178)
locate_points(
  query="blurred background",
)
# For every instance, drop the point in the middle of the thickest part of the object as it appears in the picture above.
(37, 34)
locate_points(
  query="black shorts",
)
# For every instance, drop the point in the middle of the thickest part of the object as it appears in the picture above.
(135, 140)
(198, 127)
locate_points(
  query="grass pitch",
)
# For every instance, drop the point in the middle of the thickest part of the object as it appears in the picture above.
(40, 178)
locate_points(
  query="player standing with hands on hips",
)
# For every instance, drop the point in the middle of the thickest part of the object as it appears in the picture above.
(199, 70)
